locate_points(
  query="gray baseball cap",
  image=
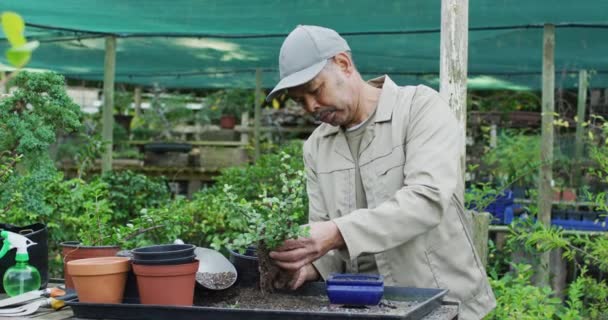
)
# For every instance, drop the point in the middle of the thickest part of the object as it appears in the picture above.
(304, 53)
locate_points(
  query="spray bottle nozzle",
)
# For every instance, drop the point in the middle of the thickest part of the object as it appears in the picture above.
(14, 240)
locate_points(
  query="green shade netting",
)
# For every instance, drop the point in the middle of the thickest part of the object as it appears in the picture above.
(206, 44)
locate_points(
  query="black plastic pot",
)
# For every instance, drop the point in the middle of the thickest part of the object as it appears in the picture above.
(247, 267)
(131, 294)
(162, 147)
(39, 253)
(163, 252)
(158, 262)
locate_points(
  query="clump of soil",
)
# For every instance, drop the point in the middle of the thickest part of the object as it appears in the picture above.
(218, 280)
(252, 298)
(271, 276)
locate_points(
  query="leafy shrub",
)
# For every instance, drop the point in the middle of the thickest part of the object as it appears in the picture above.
(129, 192)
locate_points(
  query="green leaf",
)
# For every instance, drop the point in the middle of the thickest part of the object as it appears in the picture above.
(13, 27)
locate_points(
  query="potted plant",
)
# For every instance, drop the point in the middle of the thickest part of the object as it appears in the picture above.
(231, 103)
(272, 219)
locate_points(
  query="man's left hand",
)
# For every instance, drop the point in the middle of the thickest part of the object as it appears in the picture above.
(294, 254)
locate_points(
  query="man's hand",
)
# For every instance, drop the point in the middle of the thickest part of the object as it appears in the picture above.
(295, 254)
(306, 273)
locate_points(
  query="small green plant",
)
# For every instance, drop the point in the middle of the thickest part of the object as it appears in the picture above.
(480, 195)
(517, 298)
(515, 159)
(272, 220)
(130, 192)
(233, 101)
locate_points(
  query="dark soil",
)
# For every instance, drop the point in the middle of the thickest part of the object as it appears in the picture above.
(271, 276)
(252, 298)
(219, 280)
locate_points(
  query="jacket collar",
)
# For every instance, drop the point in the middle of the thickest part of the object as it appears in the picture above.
(386, 103)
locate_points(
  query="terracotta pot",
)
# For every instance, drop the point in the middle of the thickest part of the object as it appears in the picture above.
(227, 122)
(100, 280)
(166, 284)
(71, 250)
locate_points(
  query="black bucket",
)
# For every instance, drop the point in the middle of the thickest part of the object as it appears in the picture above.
(39, 253)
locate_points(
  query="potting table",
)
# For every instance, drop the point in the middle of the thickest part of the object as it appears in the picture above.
(447, 311)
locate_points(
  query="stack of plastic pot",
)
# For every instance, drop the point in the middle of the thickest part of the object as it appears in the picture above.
(165, 274)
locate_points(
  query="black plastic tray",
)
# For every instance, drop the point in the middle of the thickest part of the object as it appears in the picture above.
(428, 300)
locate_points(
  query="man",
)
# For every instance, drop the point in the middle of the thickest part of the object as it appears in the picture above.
(383, 178)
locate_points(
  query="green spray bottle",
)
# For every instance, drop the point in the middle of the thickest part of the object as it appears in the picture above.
(21, 277)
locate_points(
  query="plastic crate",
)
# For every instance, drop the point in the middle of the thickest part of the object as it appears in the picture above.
(580, 220)
(499, 207)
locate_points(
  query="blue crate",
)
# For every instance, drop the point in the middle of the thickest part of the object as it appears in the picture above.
(580, 220)
(499, 207)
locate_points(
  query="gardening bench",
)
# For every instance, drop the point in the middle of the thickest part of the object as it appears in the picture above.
(447, 311)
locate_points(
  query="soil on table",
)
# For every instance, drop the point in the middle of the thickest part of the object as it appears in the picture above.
(252, 298)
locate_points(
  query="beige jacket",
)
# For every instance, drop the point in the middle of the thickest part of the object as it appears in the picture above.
(416, 225)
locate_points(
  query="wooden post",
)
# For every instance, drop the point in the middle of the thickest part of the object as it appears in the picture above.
(580, 119)
(493, 136)
(453, 62)
(137, 101)
(546, 154)
(481, 224)
(258, 113)
(108, 102)
(4, 88)
(245, 125)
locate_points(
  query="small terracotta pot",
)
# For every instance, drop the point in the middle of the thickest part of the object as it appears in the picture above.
(72, 250)
(100, 280)
(227, 121)
(166, 284)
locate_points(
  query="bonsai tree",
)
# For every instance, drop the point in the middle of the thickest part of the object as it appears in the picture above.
(29, 121)
(272, 219)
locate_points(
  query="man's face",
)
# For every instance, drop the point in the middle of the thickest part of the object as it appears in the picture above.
(327, 97)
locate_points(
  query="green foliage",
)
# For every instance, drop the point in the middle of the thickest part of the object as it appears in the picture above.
(248, 182)
(213, 224)
(154, 226)
(29, 119)
(480, 195)
(233, 101)
(272, 219)
(95, 227)
(504, 101)
(131, 192)
(122, 101)
(32, 115)
(516, 158)
(517, 298)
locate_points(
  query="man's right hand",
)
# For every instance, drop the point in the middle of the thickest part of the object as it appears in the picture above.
(307, 273)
